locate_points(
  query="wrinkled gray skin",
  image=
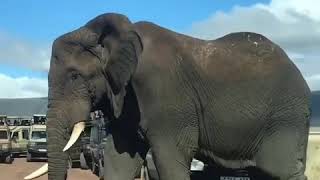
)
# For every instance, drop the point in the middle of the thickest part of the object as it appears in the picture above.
(237, 100)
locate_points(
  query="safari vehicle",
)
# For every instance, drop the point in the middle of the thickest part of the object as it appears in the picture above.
(18, 121)
(5, 142)
(85, 160)
(39, 119)
(19, 133)
(97, 149)
(93, 146)
(37, 145)
(74, 155)
(3, 120)
(199, 170)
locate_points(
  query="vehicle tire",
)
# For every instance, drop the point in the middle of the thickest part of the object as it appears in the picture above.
(101, 170)
(83, 162)
(29, 157)
(72, 164)
(94, 168)
(69, 163)
(9, 159)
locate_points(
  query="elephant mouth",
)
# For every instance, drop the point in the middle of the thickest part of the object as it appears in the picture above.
(76, 132)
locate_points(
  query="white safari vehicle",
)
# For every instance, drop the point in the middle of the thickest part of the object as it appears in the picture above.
(5, 141)
(37, 145)
(313, 154)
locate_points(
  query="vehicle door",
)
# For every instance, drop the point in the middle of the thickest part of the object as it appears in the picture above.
(5, 142)
(15, 141)
(23, 139)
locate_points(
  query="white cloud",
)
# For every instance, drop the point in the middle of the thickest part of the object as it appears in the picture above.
(308, 66)
(313, 81)
(23, 53)
(22, 87)
(293, 24)
(307, 8)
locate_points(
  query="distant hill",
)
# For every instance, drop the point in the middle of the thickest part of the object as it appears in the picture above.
(30, 106)
(23, 106)
(315, 120)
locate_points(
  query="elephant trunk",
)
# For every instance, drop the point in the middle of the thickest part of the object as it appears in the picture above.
(63, 118)
(57, 138)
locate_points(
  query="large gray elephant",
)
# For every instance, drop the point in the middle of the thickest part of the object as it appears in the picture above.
(237, 100)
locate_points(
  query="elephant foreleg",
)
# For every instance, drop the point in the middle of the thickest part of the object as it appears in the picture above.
(120, 165)
(171, 163)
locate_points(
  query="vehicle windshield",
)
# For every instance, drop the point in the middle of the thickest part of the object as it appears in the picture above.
(3, 135)
(38, 135)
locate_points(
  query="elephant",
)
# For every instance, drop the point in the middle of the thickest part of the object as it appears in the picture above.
(237, 100)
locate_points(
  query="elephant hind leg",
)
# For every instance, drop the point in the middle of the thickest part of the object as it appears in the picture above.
(283, 155)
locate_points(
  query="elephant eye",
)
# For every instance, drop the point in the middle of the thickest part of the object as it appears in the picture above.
(75, 76)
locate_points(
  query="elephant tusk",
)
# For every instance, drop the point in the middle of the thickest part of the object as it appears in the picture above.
(142, 173)
(77, 129)
(37, 173)
(147, 173)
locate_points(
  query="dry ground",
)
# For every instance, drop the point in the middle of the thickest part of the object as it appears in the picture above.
(20, 168)
(313, 158)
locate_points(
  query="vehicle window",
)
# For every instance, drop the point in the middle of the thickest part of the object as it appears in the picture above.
(3, 135)
(87, 131)
(38, 135)
(15, 122)
(25, 123)
(15, 135)
(25, 134)
(39, 119)
(10, 122)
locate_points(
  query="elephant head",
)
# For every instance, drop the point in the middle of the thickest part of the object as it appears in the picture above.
(90, 69)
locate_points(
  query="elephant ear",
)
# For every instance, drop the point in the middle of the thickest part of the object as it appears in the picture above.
(123, 45)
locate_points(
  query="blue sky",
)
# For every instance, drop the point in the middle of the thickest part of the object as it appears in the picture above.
(27, 28)
(44, 20)
(40, 22)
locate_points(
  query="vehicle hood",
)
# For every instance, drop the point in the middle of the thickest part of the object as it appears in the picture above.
(38, 140)
(4, 141)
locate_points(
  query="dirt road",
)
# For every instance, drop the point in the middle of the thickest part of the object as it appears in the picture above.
(20, 168)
